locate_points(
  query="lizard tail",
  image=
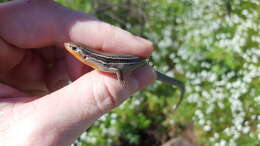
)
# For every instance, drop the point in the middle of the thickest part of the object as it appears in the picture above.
(172, 81)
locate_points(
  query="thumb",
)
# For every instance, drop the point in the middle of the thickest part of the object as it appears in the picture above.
(79, 104)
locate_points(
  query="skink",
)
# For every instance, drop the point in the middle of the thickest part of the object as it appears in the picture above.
(117, 63)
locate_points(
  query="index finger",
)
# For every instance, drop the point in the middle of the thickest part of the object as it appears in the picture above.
(108, 38)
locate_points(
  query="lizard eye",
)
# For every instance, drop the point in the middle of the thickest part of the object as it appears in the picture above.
(74, 48)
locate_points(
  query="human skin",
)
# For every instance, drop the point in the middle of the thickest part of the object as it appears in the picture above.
(37, 107)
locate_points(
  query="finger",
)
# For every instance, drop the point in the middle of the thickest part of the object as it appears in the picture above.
(9, 92)
(10, 56)
(28, 76)
(89, 97)
(99, 35)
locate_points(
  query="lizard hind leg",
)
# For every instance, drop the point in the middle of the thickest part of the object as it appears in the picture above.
(120, 77)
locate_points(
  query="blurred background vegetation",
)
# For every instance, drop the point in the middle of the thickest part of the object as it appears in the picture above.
(213, 46)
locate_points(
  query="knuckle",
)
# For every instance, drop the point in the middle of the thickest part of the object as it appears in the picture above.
(103, 98)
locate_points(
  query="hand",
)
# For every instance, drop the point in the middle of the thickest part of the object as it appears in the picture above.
(35, 107)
